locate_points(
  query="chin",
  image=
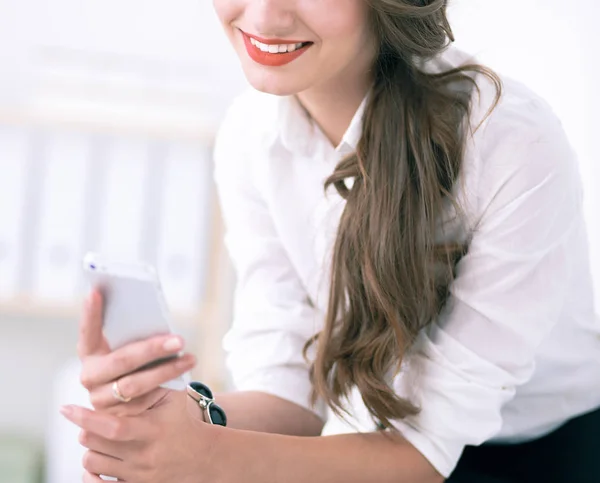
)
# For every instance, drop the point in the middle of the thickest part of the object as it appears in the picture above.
(276, 84)
(275, 90)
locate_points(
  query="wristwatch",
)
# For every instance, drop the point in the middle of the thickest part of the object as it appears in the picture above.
(201, 393)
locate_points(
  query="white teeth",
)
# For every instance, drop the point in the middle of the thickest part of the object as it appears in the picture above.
(273, 48)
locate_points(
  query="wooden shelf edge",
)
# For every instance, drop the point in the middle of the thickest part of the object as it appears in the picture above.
(197, 131)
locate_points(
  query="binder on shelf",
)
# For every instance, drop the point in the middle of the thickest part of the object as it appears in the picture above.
(184, 233)
(122, 199)
(14, 159)
(57, 258)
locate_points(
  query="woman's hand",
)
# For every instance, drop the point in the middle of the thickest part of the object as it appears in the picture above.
(168, 443)
(102, 368)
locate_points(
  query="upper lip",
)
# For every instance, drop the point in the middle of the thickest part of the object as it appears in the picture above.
(263, 40)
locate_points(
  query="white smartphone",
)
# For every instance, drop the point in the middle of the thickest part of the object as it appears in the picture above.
(134, 304)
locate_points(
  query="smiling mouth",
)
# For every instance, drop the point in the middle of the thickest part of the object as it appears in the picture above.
(278, 48)
(274, 52)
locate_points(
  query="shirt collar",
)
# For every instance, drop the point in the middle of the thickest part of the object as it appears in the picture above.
(353, 134)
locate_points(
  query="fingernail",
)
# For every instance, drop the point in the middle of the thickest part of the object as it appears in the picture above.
(173, 344)
(66, 411)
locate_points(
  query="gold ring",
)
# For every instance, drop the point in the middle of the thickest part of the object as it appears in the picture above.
(117, 393)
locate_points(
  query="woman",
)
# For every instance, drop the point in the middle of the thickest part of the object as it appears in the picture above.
(444, 269)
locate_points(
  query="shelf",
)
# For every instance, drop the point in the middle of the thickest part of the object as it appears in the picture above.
(86, 118)
(24, 307)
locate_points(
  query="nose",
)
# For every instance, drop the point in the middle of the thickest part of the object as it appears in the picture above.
(271, 18)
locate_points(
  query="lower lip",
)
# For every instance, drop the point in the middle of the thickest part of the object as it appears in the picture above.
(272, 60)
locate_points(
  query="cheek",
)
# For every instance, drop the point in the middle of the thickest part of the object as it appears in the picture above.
(341, 24)
(227, 11)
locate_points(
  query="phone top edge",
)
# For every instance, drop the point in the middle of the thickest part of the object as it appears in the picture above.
(94, 263)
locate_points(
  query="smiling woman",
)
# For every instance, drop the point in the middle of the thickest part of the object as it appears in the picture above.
(411, 253)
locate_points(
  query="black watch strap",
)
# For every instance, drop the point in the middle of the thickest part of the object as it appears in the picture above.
(201, 393)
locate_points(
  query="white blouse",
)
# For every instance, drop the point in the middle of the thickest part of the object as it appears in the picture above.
(516, 350)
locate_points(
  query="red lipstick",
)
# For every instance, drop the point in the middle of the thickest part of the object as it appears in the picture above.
(273, 59)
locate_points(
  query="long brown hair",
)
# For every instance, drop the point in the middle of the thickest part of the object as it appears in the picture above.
(389, 277)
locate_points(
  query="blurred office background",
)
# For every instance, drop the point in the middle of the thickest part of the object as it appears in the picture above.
(108, 111)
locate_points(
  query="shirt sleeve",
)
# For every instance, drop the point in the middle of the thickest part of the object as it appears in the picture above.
(507, 296)
(273, 317)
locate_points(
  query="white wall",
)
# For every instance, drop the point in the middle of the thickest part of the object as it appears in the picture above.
(68, 49)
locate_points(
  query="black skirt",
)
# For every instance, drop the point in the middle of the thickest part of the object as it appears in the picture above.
(571, 454)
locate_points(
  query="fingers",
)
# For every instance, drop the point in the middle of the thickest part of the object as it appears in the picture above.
(104, 425)
(135, 407)
(91, 339)
(98, 444)
(139, 384)
(100, 464)
(99, 371)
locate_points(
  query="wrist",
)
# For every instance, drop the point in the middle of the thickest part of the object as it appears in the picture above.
(222, 460)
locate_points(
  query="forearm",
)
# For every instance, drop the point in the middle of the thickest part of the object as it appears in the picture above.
(351, 458)
(256, 411)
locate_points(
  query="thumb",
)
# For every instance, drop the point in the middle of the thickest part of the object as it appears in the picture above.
(91, 339)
